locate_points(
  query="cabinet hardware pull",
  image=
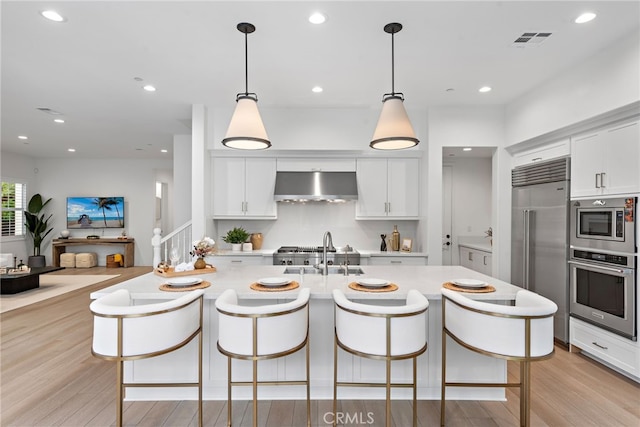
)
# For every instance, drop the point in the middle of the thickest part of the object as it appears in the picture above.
(602, 175)
(601, 346)
(237, 261)
(597, 176)
(536, 159)
(396, 262)
(470, 256)
(485, 260)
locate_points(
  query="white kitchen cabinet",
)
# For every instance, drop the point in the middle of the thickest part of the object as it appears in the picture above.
(543, 153)
(397, 260)
(243, 188)
(475, 259)
(618, 352)
(605, 161)
(226, 261)
(388, 188)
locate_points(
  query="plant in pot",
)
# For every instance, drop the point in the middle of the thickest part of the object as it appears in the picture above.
(37, 224)
(236, 236)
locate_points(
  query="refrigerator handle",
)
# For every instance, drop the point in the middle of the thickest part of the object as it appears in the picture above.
(526, 242)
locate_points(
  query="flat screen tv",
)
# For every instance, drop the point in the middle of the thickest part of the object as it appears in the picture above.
(95, 212)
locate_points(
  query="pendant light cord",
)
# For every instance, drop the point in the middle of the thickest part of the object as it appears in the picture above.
(393, 90)
(246, 64)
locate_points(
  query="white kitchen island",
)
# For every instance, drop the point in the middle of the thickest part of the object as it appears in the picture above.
(180, 366)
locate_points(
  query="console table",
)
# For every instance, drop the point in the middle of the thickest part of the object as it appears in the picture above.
(14, 283)
(60, 247)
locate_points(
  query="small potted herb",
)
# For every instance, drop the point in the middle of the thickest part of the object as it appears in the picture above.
(236, 236)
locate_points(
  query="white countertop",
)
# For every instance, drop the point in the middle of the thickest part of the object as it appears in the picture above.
(363, 253)
(479, 246)
(426, 279)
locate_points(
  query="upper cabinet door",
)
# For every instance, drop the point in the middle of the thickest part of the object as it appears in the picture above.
(260, 184)
(605, 162)
(372, 188)
(403, 195)
(388, 188)
(228, 187)
(622, 162)
(243, 188)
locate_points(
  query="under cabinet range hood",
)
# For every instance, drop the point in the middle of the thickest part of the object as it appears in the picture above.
(315, 186)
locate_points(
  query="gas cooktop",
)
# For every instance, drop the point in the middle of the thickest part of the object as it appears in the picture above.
(302, 249)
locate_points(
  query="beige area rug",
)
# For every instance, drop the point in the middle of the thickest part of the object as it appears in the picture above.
(51, 285)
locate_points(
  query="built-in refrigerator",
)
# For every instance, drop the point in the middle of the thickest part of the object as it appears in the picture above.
(540, 234)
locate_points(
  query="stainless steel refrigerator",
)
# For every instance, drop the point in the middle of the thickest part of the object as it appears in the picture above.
(540, 234)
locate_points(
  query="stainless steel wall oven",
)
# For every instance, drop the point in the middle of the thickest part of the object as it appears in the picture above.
(603, 264)
(603, 290)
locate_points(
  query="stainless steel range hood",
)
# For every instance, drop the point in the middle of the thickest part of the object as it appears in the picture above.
(315, 186)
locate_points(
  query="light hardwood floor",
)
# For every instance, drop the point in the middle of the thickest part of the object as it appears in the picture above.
(49, 378)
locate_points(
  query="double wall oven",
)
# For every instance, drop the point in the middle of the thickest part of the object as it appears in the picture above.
(602, 263)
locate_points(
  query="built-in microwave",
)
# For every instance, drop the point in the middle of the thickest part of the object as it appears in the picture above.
(604, 224)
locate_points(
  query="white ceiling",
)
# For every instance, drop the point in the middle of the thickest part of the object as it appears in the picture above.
(85, 67)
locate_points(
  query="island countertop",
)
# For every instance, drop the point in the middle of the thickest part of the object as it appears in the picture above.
(426, 279)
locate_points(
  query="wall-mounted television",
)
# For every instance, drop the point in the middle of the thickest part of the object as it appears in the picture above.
(95, 212)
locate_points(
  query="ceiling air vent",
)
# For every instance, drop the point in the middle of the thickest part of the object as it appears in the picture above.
(49, 111)
(530, 39)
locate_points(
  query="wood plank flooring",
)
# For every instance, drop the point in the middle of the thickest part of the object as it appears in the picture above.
(49, 378)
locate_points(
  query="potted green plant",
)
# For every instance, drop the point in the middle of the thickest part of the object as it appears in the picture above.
(236, 236)
(37, 224)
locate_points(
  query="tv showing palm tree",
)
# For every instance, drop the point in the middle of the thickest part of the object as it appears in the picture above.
(95, 212)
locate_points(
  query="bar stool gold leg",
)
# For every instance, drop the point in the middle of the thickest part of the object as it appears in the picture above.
(335, 377)
(228, 392)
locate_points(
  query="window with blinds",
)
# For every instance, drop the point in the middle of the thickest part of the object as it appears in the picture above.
(13, 206)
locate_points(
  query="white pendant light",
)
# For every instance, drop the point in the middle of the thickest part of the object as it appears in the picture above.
(246, 130)
(394, 130)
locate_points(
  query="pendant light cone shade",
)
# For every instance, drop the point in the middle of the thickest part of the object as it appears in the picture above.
(246, 130)
(394, 130)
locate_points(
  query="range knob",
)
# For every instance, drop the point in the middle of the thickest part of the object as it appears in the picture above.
(289, 262)
(306, 262)
(330, 262)
(283, 262)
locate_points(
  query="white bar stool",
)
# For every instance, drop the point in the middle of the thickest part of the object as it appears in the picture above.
(383, 333)
(123, 332)
(261, 333)
(523, 333)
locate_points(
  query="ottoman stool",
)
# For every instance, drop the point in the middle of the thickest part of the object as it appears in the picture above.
(68, 260)
(86, 260)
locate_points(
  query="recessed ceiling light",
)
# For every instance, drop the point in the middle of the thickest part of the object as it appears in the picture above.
(467, 149)
(164, 150)
(317, 18)
(22, 137)
(52, 15)
(316, 89)
(484, 89)
(58, 120)
(585, 17)
(71, 150)
(149, 88)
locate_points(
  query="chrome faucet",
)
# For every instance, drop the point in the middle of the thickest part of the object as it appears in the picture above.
(325, 246)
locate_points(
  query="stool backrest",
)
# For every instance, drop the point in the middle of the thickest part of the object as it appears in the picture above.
(277, 327)
(521, 331)
(143, 330)
(363, 327)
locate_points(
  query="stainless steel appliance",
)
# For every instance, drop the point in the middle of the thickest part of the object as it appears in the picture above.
(604, 224)
(539, 235)
(603, 264)
(315, 186)
(603, 290)
(312, 255)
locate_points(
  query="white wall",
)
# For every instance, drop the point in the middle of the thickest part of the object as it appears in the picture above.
(181, 180)
(134, 179)
(602, 83)
(305, 224)
(450, 127)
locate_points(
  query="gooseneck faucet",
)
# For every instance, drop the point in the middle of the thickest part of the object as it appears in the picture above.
(327, 243)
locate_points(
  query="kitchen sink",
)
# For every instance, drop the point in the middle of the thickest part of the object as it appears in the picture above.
(313, 270)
